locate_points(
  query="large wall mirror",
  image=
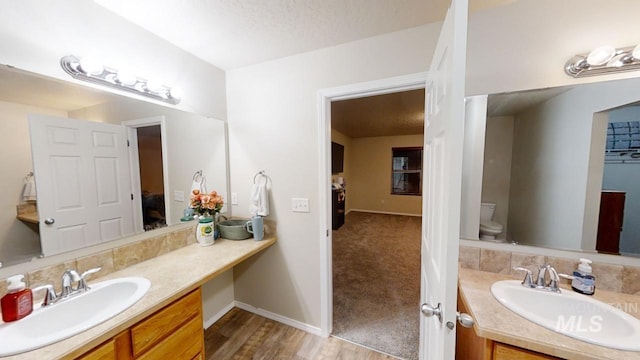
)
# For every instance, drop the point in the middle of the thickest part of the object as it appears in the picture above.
(171, 146)
(562, 167)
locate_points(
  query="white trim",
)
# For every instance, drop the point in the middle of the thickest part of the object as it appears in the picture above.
(385, 212)
(217, 316)
(279, 318)
(325, 97)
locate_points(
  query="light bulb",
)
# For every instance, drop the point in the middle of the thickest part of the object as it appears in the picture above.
(176, 93)
(154, 86)
(636, 52)
(601, 55)
(126, 77)
(91, 66)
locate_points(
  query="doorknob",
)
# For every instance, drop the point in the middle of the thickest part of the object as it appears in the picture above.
(465, 320)
(49, 221)
(428, 310)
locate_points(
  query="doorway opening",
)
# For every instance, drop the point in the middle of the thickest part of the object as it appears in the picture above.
(147, 144)
(151, 177)
(373, 259)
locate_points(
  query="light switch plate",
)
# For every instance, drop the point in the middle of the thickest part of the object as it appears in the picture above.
(300, 205)
(178, 195)
(234, 198)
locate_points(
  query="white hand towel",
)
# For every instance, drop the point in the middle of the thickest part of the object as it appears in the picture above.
(199, 183)
(259, 204)
(29, 190)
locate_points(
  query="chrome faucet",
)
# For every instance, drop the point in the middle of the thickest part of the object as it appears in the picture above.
(68, 278)
(541, 283)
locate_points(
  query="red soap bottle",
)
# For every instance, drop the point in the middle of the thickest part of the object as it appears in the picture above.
(18, 302)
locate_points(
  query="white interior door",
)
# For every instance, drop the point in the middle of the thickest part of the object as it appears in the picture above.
(83, 182)
(443, 148)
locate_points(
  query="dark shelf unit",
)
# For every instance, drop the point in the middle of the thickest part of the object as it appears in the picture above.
(337, 218)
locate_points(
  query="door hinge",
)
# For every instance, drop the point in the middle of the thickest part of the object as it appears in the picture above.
(327, 232)
(128, 143)
(131, 196)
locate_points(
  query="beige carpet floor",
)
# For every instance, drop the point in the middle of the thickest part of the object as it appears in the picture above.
(376, 282)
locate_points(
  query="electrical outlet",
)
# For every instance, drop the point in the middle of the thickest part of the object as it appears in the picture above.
(234, 198)
(300, 205)
(178, 195)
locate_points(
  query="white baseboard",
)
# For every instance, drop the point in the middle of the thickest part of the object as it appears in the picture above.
(210, 321)
(385, 212)
(279, 318)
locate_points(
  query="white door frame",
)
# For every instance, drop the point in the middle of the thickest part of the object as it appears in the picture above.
(325, 97)
(144, 122)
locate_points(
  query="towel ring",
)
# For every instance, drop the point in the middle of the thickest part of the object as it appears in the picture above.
(263, 174)
(197, 175)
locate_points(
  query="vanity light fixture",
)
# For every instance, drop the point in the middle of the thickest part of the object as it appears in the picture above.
(604, 60)
(87, 69)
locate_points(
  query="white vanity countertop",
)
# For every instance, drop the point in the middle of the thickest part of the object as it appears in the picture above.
(495, 322)
(172, 276)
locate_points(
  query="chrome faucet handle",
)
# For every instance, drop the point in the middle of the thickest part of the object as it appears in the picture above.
(527, 281)
(68, 278)
(566, 277)
(50, 294)
(554, 278)
(82, 284)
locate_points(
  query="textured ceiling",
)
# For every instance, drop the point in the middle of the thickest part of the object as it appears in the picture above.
(399, 113)
(235, 33)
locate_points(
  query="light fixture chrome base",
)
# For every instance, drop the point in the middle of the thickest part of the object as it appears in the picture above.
(622, 60)
(109, 77)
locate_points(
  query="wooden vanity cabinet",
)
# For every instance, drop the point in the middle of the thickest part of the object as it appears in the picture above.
(470, 346)
(174, 332)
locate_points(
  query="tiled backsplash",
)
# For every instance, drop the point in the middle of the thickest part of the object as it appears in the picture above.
(110, 260)
(611, 277)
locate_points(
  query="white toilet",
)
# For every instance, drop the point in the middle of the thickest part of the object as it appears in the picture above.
(488, 229)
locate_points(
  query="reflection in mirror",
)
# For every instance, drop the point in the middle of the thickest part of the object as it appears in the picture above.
(164, 138)
(545, 167)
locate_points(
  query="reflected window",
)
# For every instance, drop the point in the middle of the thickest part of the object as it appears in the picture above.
(406, 171)
(623, 135)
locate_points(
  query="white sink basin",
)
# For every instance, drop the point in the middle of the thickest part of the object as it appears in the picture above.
(575, 315)
(71, 316)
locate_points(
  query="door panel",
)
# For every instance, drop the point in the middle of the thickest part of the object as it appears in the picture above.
(83, 182)
(444, 120)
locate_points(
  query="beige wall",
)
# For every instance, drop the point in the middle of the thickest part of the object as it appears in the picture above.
(17, 239)
(150, 149)
(370, 186)
(273, 125)
(496, 177)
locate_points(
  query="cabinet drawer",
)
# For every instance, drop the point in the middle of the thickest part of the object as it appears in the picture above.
(118, 347)
(105, 351)
(507, 352)
(186, 343)
(165, 322)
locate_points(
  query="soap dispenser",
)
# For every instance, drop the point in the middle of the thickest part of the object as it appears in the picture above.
(583, 281)
(18, 302)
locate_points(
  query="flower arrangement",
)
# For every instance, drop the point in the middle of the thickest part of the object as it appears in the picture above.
(205, 204)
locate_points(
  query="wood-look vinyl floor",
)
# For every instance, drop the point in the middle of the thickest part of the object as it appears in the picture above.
(243, 335)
